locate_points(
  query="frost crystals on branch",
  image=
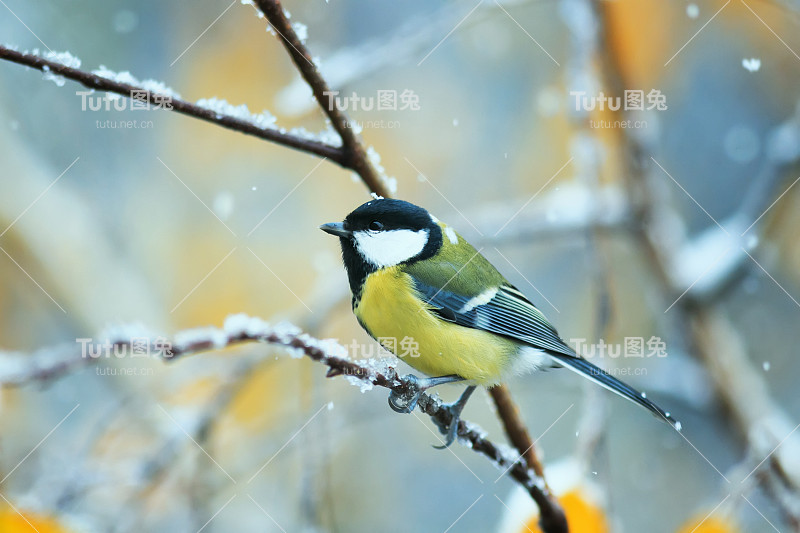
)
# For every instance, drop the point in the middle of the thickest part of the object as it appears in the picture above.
(241, 328)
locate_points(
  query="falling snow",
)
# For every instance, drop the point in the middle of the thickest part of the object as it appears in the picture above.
(752, 65)
(125, 21)
(741, 144)
(375, 159)
(223, 204)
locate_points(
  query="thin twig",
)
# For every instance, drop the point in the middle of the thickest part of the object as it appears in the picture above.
(355, 155)
(517, 433)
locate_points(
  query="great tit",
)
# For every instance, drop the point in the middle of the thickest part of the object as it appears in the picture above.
(412, 276)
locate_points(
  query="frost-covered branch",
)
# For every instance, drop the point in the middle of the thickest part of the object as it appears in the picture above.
(354, 153)
(238, 329)
(108, 84)
(19, 369)
(350, 153)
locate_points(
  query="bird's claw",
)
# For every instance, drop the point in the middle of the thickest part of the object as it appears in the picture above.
(451, 430)
(406, 401)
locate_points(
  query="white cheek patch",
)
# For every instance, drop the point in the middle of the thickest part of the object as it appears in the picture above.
(389, 248)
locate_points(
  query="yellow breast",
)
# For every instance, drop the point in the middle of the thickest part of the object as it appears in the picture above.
(390, 312)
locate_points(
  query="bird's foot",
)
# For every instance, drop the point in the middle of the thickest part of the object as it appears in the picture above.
(451, 430)
(406, 400)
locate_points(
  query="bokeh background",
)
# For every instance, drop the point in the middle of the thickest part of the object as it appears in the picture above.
(178, 223)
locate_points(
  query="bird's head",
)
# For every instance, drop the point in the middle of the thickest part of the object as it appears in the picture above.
(384, 232)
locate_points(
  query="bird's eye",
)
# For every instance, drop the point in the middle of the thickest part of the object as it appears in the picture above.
(375, 226)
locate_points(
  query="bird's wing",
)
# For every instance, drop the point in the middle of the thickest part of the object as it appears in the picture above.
(504, 310)
(462, 286)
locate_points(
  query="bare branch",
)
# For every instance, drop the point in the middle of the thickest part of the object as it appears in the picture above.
(553, 517)
(354, 153)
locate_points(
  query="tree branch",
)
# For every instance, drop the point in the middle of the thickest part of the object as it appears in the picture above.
(354, 153)
(100, 83)
(239, 329)
(332, 355)
(552, 515)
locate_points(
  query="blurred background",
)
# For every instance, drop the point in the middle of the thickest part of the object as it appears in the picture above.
(675, 224)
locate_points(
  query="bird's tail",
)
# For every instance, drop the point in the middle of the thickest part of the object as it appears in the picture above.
(604, 379)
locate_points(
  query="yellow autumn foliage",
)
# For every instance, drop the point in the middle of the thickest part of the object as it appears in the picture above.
(12, 521)
(701, 524)
(582, 515)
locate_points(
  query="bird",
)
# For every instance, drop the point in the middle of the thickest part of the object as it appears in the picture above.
(414, 277)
